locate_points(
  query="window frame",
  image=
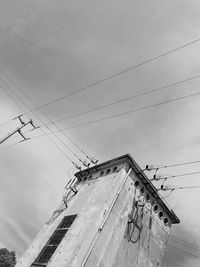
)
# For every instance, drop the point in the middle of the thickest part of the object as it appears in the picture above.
(54, 241)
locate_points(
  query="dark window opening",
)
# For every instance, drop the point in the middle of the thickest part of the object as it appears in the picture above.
(57, 237)
(54, 241)
(67, 221)
(46, 254)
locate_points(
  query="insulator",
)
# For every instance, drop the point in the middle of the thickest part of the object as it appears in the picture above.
(164, 188)
(157, 177)
(149, 167)
(86, 164)
(93, 160)
(77, 166)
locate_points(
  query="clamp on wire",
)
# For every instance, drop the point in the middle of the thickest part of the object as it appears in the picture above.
(92, 159)
(77, 166)
(84, 162)
(33, 125)
(24, 137)
(19, 117)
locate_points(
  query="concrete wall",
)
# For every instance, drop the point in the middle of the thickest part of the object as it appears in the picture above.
(98, 236)
(147, 245)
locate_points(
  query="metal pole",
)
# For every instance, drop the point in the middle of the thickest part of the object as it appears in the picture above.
(14, 132)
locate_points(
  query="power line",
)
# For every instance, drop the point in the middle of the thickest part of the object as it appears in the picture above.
(9, 146)
(60, 130)
(91, 158)
(184, 243)
(152, 167)
(24, 103)
(183, 240)
(127, 112)
(112, 76)
(5, 123)
(115, 102)
(13, 99)
(184, 251)
(121, 114)
(178, 187)
(121, 72)
(113, 116)
(118, 115)
(129, 98)
(174, 176)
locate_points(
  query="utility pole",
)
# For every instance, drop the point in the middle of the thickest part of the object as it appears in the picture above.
(18, 130)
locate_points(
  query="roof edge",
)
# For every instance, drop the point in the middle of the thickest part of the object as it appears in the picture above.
(153, 190)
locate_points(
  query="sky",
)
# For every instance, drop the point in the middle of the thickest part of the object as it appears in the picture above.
(49, 49)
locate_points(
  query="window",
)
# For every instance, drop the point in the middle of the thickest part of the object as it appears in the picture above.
(54, 241)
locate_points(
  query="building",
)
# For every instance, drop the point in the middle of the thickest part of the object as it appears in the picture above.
(112, 216)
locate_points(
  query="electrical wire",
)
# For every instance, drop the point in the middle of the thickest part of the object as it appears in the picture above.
(112, 76)
(112, 103)
(122, 100)
(184, 251)
(179, 187)
(126, 112)
(128, 98)
(183, 240)
(60, 130)
(178, 164)
(51, 122)
(184, 244)
(167, 195)
(5, 123)
(24, 103)
(121, 72)
(14, 101)
(113, 116)
(9, 146)
(174, 176)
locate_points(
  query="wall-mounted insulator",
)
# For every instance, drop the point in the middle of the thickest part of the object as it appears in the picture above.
(74, 190)
(150, 167)
(92, 159)
(77, 166)
(85, 163)
(157, 177)
(164, 187)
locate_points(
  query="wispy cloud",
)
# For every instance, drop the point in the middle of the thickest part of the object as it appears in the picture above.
(51, 48)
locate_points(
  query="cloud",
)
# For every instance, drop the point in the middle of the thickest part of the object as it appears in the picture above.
(51, 48)
(180, 253)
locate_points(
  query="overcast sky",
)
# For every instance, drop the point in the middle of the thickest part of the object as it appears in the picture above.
(50, 48)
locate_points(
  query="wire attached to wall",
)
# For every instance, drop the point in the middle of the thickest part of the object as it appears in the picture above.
(168, 188)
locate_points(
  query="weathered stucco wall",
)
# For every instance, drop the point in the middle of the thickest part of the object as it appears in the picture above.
(117, 225)
(140, 243)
